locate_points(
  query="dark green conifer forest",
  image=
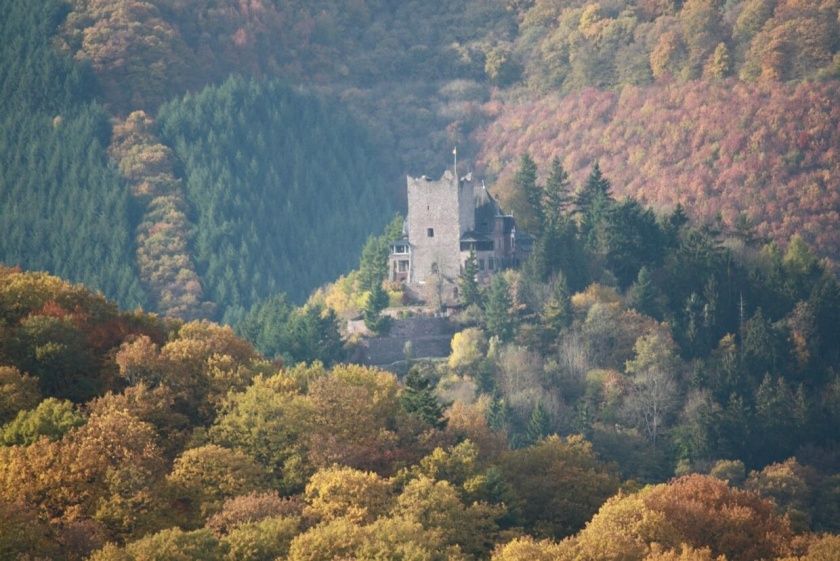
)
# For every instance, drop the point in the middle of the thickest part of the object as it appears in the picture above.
(284, 189)
(197, 203)
(63, 205)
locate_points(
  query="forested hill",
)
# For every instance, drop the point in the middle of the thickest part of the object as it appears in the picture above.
(284, 189)
(232, 195)
(63, 206)
(173, 153)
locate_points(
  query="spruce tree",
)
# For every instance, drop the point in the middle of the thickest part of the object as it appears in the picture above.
(470, 291)
(525, 181)
(643, 293)
(539, 425)
(373, 264)
(596, 186)
(418, 399)
(557, 312)
(497, 310)
(497, 414)
(376, 302)
(557, 197)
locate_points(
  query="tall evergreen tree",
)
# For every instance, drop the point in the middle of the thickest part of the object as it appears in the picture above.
(497, 310)
(630, 238)
(596, 187)
(643, 293)
(557, 313)
(557, 194)
(539, 425)
(373, 264)
(418, 399)
(376, 302)
(593, 204)
(525, 182)
(470, 291)
(313, 334)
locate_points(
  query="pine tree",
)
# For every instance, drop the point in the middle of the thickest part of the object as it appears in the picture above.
(557, 313)
(376, 302)
(539, 425)
(596, 187)
(525, 182)
(373, 265)
(418, 399)
(643, 293)
(557, 197)
(470, 291)
(497, 310)
(678, 217)
(497, 414)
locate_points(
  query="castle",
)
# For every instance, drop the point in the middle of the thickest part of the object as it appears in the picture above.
(447, 220)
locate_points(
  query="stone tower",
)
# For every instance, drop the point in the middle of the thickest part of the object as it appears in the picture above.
(439, 212)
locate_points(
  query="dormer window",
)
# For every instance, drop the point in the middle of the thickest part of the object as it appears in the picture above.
(400, 249)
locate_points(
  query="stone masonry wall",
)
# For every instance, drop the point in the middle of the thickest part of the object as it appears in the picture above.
(438, 205)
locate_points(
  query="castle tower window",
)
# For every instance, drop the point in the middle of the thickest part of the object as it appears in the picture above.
(430, 232)
(434, 268)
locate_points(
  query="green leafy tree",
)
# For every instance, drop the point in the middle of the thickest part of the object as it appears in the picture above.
(266, 540)
(168, 545)
(18, 392)
(559, 484)
(51, 418)
(271, 426)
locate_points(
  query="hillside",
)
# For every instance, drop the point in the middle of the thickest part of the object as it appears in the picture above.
(201, 213)
(284, 189)
(728, 108)
(759, 154)
(56, 182)
(124, 436)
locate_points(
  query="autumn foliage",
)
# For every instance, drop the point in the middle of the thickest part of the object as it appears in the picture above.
(760, 152)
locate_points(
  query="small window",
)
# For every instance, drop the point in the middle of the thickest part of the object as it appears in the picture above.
(401, 249)
(430, 232)
(481, 264)
(403, 266)
(434, 268)
(490, 263)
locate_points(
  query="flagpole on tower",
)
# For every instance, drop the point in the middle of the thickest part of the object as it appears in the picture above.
(455, 155)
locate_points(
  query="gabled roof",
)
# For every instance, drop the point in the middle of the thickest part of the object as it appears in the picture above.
(473, 236)
(486, 209)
